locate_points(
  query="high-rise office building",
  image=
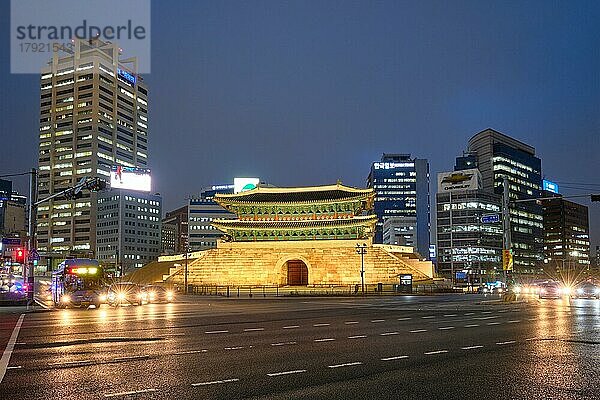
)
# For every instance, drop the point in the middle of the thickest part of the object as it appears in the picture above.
(175, 240)
(469, 229)
(93, 115)
(401, 185)
(566, 233)
(128, 228)
(498, 156)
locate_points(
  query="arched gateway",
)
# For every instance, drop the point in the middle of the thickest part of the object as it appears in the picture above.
(297, 273)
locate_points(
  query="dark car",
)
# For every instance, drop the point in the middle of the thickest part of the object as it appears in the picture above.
(159, 294)
(550, 290)
(586, 290)
(125, 293)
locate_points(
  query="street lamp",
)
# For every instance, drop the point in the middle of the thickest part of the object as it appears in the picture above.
(362, 250)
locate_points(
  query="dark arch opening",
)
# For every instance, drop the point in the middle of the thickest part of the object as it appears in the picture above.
(297, 273)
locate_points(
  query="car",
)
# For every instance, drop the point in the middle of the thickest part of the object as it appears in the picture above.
(550, 290)
(159, 294)
(125, 293)
(586, 290)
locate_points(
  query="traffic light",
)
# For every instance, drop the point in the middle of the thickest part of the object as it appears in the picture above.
(596, 197)
(20, 256)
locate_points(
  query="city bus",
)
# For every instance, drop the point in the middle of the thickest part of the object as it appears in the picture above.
(78, 282)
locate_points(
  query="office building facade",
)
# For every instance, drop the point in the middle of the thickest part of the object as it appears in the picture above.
(498, 156)
(401, 185)
(93, 115)
(128, 228)
(469, 229)
(176, 225)
(566, 233)
(203, 210)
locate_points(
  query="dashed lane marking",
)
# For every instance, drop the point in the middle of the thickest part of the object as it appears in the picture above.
(493, 323)
(296, 371)
(14, 367)
(325, 340)
(449, 315)
(471, 325)
(215, 332)
(10, 346)
(350, 322)
(253, 329)
(283, 344)
(428, 316)
(470, 313)
(445, 328)
(429, 353)
(404, 319)
(394, 358)
(121, 394)
(472, 347)
(74, 363)
(389, 333)
(191, 352)
(507, 342)
(317, 325)
(357, 337)
(234, 348)
(215, 382)
(514, 321)
(377, 320)
(291, 327)
(350, 364)
(418, 330)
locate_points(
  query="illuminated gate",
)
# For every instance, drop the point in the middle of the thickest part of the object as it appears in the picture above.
(297, 273)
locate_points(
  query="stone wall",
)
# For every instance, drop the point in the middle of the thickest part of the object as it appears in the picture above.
(329, 262)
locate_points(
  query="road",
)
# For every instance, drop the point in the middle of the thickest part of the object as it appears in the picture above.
(450, 347)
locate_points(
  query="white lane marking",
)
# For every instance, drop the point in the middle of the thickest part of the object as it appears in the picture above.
(131, 358)
(531, 338)
(471, 325)
(483, 318)
(470, 313)
(317, 325)
(253, 329)
(296, 371)
(449, 315)
(507, 342)
(445, 328)
(471, 347)
(486, 312)
(10, 346)
(291, 327)
(80, 362)
(214, 332)
(190, 352)
(531, 319)
(389, 333)
(514, 321)
(357, 337)
(351, 322)
(215, 382)
(428, 353)
(428, 317)
(14, 367)
(394, 358)
(283, 343)
(418, 330)
(377, 320)
(404, 319)
(234, 348)
(325, 340)
(493, 323)
(130, 393)
(350, 364)
(20, 343)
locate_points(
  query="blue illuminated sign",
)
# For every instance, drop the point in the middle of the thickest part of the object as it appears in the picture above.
(126, 75)
(550, 186)
(490, 219)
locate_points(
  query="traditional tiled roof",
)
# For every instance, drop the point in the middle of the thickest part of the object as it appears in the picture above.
(234, 224)
(307, 194)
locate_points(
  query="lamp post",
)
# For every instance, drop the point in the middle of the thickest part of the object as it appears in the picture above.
(185, 273)
(362, 250)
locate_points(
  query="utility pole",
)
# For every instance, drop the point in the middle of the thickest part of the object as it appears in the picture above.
(507, 242)
(31, 214)
(185, 272)
(362, 250)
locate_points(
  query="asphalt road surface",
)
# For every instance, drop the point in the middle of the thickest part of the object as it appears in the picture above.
(437, 347)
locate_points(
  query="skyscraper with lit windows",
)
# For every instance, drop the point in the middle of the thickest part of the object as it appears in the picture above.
(93, 115)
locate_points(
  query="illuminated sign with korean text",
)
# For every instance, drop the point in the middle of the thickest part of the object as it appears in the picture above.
(130, 178)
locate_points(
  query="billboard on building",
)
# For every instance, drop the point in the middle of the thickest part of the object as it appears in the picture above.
(243, 184)
(130, 178)
(468, 179)
(550, 186)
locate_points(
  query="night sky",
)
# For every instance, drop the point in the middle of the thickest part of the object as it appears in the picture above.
(308, 92)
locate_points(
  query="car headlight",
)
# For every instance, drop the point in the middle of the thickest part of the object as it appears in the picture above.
(102, 297)
(517, 289)
(66, 299)
(566, 290)
(121, 296)
(579, 291)
(597, 291)
(542, 291)
(151, 295)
